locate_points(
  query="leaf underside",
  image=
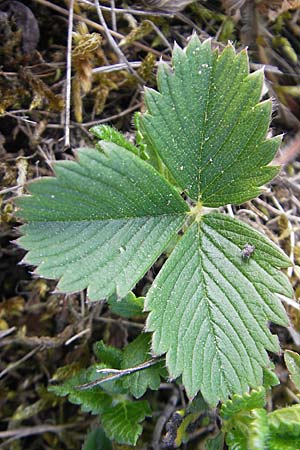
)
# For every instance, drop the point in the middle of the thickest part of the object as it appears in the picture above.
(101, 223)
(104, 219)
(209, 307)
(208, 127)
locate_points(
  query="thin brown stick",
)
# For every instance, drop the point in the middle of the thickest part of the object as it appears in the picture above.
(114, 45)
(12, 366)
(27, 431)
(115, 116)
(116, 374)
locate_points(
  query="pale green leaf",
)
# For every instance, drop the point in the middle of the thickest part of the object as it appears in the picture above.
(122, 422)
(284, 427)
(129, 306)
(286, 422)
(207, 125)
(101, 223)
(292, 361)
(210, 306)
(135, 353)
(258, 430)
(97, 440)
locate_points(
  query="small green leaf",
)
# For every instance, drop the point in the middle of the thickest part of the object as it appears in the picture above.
(243, 403)
(122, 422)
(101, 223)
(108, 355)
(258, 430)
(286, 422)
(208, 126)
(210, 307)
(94, 400)
(270, 378)
(129, 306)
(97, 440)
(136, 353)
(110, 134)
(292, 361)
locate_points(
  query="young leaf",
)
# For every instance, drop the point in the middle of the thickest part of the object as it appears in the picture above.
(109, 134)
(270, 378)
(292, 361)
(209, 307)
(94, 400)
(129, 306)
(122, 422)
(101, 223)
(240, 404)
(258, 430)
(286, 422)
(208, 127)
(136, 353)
(97, 440)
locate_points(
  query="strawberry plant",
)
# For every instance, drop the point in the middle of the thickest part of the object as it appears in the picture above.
(106, 217)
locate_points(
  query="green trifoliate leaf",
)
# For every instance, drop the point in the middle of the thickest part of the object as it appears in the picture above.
(101, 223)
(210, 306)
(292, 361)
(136, 353)
(97, 440)
(122, 422)
(94, 400)
(208, 127)
(129, 306)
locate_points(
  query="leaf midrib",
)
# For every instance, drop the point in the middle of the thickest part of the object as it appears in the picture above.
(110, 218)
(206, 299)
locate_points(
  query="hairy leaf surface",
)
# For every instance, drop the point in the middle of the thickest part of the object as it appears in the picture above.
(101, 223)
(240, 404)
(209, 307)
(104, 219)
(122, 422)
(208, 126)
